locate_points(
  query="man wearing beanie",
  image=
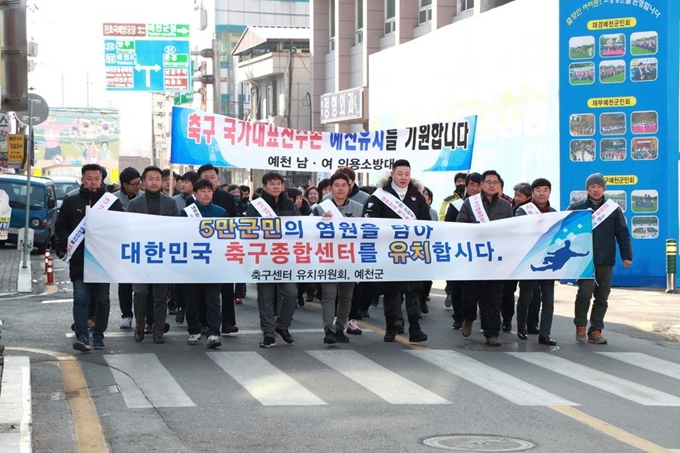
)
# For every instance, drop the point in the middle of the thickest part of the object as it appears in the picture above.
(606, 234)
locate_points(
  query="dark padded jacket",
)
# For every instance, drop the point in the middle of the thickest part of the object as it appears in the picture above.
(72, 211)
(284, 207)
(613, 229)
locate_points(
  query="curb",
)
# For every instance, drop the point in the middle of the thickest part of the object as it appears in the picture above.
(16, 417)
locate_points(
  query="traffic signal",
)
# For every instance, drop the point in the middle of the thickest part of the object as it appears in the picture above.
(14, 57)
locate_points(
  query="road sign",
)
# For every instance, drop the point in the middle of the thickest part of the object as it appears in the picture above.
(184, 98)
(39, 110)
(15, 150)
(147, 57)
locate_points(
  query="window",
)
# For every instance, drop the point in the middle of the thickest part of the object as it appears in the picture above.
(359, 21)
(271, 99)
(390, 13)
(425, 12)
(466, 5)
(331, 26)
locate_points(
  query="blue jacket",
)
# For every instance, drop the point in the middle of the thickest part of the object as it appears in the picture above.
(612, 229)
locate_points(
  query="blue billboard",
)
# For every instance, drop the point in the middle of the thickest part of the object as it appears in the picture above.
(619, 117)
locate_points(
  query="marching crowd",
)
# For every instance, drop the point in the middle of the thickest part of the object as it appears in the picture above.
(208, 308)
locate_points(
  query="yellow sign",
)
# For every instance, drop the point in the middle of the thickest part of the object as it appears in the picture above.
(621, 180)
(15, 150)
(609, 24)
(619, 101)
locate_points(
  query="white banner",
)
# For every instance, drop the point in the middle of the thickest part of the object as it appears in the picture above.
(202, 137)
(136, 248)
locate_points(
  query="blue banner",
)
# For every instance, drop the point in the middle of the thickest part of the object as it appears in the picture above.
(618, 67)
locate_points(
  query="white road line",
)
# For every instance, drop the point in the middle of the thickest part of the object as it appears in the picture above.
(491, 379)
(180, 330)
(56, 301)
(388, 385)
(625, 389)
(15, 403)
(647, 362)
(266, 383)
(144, 382)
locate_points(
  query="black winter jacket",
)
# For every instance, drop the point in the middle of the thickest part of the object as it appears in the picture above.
(413, 199)
(72, 211)
(612, 229)
(284, 207)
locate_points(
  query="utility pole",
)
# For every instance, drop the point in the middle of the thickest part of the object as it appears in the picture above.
(217, 72)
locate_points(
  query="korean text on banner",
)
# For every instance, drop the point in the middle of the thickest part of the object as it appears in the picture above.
(122, 248)
(200, 137)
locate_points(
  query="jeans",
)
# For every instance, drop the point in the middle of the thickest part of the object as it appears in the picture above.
(160, 305)
(329, 291)
(600, 287)
(266, 293)
(125, 299)
(210, 294)
(81, 298)
(526, 294)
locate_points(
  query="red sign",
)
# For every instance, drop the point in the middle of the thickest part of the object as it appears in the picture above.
(119, 77)
(125, 30)
(175, 79)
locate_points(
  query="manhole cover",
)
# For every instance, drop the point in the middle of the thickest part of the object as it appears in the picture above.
(478, 443)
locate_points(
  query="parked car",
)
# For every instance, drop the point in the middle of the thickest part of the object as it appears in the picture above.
(64, 185)
(42, 211)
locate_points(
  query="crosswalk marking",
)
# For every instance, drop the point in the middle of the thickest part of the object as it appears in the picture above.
(647, 362)
(386, 384)
(266, 383)
(603, 381)
(491, 379)
(144, 382)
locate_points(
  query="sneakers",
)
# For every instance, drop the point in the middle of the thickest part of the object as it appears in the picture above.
(330, 337)
(423, 307)
(268, 342)
(596, 337)
(194, 339)
(506, 328)
(82, 344)
(179, 317)
(238, 300)
(213, 342)
(340, 335)
(285, 335)
(493, 341)
(353, 327)
(457, 325)
(227, 329)
(581, 334)
(301, 300)
(467, 328)
(448, 301)
(390, 336)
(98, 343)
(126, 323)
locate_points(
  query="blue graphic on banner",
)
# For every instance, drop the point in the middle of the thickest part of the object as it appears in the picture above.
(185, 149)
(458, 158)
(618, 62)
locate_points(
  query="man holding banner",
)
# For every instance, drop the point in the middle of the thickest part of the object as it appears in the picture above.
(274, 202)
(609, 227)
(481, 208)
(399, 198)
(70, 234)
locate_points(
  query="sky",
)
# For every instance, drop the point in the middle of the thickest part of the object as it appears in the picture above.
(70, 63)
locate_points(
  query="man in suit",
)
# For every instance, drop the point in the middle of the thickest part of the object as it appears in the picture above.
(152, 202)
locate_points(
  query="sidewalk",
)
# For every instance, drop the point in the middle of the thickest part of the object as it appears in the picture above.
(15, 374)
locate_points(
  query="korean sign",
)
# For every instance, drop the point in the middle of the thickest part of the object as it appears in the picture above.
(136, 248)
(342, 105)
(200, 137)
(147, 57)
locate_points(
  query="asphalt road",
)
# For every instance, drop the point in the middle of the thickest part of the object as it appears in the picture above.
(364, 396)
